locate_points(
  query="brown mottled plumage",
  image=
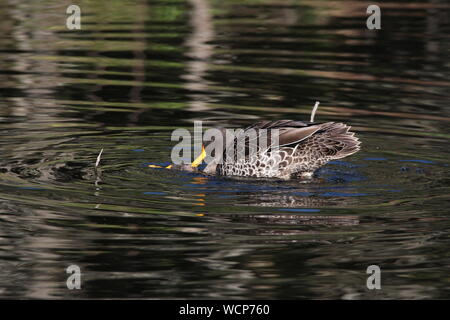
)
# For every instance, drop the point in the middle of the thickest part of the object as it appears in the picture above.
(302, 149)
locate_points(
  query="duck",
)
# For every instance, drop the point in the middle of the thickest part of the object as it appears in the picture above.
(302, 148)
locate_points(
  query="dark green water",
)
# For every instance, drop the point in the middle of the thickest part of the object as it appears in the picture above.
(139, 69)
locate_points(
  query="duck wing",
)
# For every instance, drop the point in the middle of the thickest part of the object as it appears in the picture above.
(277, 124)
(289, 132)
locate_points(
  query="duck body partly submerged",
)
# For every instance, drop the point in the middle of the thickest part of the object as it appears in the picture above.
(302, 149)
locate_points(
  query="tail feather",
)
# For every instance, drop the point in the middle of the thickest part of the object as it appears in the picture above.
(338, 140)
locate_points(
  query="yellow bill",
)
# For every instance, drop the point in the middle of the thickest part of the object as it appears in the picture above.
(194, 164)
(156, 166)
(199, 158)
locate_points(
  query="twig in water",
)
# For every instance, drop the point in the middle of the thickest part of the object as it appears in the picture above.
(313, 113)
(98, 159)
(97, 173)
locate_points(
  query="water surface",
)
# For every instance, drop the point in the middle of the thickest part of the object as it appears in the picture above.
(139, 69)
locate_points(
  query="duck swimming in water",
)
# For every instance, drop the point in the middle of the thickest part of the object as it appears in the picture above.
(302, 148)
